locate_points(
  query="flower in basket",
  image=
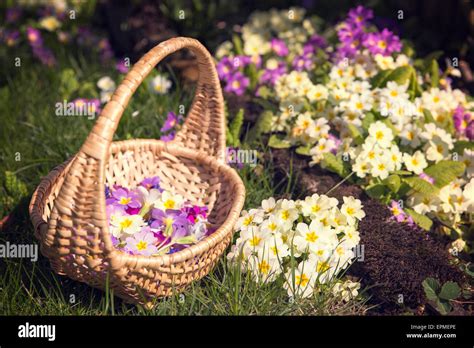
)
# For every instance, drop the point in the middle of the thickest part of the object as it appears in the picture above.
(148, 220)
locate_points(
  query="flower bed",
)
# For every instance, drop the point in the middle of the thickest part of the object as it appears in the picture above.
(356, 101)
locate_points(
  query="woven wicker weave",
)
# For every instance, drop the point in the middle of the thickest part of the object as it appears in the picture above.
(68, 207)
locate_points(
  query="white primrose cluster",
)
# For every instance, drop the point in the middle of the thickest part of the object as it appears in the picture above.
(315, 232)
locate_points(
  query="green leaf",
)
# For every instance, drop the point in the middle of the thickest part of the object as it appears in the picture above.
(375, 191)
(334, 164)
(236, 126)
(421, 186)
(459, 146)
(68, 83)
(431, 287)
(303, 150)
(14, 186)
(434, 73)
(393, 182)
(402, 172)
(229, 138)
(400, 75)
(380, 78)
(428, 116)
(278, 142)
(443, 307)
(368, 120)
(421, 220)
(263, 125)
(414, 89)
(450, 291)
(355, 134)
(237, 45)
(445, 172)
(251, 71)
(186, 240)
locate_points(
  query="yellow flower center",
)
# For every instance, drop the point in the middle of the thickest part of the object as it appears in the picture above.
(126, 223)
(350, 211)
(264, 267)
(169, 204)
(124, 200)
(141, 245)
(255, 241)
(248, 220)
(311, 237)
(382, 44)
(285, 214)
(301, 280)
(322, 267)
(379, 135)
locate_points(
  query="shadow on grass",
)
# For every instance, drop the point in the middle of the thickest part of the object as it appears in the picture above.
(31, 287)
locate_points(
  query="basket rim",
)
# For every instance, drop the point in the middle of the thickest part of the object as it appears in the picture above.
(118, 258)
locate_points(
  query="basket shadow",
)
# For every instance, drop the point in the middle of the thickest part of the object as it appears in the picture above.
(35, 275)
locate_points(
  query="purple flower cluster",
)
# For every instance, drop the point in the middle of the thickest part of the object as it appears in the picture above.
(354, 36)
(270, 76)
(279, 47)
(230, 70)
(141, 226)
(172, 122)
(464, 122)
(13, 14)
(303, 62)
(44, 54)
(10, 37)
(315, 41)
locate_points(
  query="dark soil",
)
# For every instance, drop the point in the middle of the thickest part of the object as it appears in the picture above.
(396, 257)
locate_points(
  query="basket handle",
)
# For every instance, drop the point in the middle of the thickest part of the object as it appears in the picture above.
(204, 127)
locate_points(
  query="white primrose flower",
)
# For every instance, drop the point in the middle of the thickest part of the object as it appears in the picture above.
(249, 219)
(160, 84)
(316, 206)
(169, 200)
(382, 135)
(300, 282)
(380, 168)
(415, 163)
(347, 290)
(468, 159)
(352, 209)
(126, 224)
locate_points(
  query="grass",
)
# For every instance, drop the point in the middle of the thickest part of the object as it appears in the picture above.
(34, 140)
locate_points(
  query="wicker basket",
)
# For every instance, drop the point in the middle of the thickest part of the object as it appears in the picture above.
(68, 207)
